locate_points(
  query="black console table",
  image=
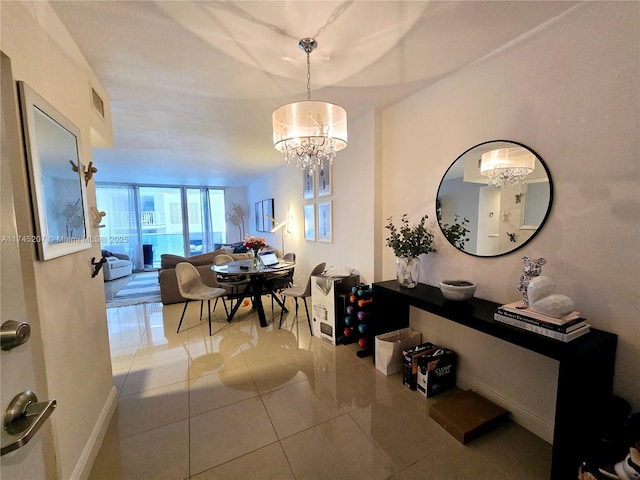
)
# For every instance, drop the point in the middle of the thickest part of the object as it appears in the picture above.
(585, 376)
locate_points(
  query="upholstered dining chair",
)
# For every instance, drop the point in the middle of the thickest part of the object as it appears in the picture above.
(192, 288)
(231, 282)
(302, 291)
(279, 281)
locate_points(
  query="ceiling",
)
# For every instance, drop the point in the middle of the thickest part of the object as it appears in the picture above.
(193, 84)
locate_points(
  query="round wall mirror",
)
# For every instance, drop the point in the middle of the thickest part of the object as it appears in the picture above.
(494, 198)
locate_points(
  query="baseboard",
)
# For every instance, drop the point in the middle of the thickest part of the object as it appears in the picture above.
(90, 451)
(533, 422)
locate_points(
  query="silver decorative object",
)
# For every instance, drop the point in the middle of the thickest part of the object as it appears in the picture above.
(531, 270)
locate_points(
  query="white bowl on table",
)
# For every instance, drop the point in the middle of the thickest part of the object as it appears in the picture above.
(457, 290)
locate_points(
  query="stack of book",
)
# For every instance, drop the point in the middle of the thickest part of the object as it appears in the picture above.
(564, 329)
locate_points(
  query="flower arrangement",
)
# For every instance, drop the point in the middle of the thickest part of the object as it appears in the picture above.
(254, 243)
(409, 241)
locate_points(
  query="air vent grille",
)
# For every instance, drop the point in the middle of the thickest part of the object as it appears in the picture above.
(98, 103)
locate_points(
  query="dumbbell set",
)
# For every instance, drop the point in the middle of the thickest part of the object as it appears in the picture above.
(358, 319)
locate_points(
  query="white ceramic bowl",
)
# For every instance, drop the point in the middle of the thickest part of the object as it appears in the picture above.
(458, 290)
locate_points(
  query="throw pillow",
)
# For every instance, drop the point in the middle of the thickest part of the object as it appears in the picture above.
(240, 248)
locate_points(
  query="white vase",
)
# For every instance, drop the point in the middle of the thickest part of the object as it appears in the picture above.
(408, 271)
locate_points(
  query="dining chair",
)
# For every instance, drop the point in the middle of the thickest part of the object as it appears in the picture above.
(279, 281)
(231, 282)
(192, 288)
(302, 291)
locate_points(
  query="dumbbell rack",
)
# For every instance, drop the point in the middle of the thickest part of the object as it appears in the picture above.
(359, 319)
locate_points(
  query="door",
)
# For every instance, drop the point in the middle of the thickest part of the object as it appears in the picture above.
(21, 368)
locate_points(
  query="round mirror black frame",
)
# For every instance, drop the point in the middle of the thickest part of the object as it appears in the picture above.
(455, 232)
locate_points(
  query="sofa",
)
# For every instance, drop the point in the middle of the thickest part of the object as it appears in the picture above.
(118, 265)
(169, 292)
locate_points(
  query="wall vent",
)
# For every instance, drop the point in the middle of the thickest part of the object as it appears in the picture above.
(98, 103)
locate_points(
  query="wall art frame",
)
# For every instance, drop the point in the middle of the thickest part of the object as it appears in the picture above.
(308, 183)
(324, 179)
(262, 209)
(324, 212)
(310, 222)
(258, 216)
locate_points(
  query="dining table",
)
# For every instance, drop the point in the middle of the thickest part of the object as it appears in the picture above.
(258, 284)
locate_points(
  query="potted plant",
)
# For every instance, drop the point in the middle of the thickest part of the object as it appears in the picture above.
(408, 243)
(457, 232)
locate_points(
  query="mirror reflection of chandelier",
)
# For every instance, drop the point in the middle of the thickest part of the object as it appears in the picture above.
(309, 132)
(507, 166)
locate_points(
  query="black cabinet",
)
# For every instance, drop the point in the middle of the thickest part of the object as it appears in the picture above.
(585, 376)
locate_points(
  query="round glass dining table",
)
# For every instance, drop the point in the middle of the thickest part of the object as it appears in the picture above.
(257, 286)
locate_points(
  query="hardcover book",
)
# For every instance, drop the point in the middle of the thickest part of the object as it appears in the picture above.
(563, 337)
(564, 328)
(517, 307)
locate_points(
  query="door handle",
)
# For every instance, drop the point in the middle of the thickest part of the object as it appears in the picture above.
(13, 334)
(23, 418)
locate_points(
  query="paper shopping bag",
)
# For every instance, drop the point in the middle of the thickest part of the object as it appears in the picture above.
(389, 347)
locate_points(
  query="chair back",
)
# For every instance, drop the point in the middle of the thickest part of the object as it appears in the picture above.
(222, 258)
(188, 279)
(289, 257)
(316, 271)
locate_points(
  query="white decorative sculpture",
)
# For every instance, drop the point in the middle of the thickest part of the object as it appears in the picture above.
(542, 298)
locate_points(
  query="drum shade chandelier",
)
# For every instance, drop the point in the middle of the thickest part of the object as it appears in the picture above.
(507, 166)
(309, 132)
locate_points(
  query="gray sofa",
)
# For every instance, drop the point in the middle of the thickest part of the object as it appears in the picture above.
(118, 265)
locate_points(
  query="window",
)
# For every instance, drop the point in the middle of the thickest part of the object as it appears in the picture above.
(178, 220)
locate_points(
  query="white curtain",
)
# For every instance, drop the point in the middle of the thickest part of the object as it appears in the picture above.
(121, 232)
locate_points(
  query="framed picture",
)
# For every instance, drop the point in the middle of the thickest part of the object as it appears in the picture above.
(308, 183)
(310, 222)
(267, 209)
(324, 221)
(324, 181)
(259, 217)
(262, 209)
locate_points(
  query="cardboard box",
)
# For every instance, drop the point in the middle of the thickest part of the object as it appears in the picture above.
(466, 415)
(410, 363)
(436, 372)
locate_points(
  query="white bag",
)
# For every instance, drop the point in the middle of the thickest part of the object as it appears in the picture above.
(389, 347)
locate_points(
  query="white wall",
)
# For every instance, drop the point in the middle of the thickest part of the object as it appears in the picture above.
(571, 92)
(70, 302)
(352, 199)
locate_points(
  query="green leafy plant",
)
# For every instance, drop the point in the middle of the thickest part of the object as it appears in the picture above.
(457, 232)
(409, 241)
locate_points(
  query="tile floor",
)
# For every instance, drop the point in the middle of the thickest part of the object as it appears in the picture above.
(252, 403)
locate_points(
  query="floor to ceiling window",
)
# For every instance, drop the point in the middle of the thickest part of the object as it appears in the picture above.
(146, 221)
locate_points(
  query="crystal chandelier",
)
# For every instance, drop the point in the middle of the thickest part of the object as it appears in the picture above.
(309, 132)
(507, 166)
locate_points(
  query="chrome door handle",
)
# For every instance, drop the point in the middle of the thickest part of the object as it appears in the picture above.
(23, 418)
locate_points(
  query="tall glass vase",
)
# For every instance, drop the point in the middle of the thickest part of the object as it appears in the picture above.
(408, 271)
(256, 262)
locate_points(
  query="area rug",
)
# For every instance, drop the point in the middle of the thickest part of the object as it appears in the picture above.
(143, 288)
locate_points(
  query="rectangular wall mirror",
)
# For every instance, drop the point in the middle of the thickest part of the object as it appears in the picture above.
(56, 175)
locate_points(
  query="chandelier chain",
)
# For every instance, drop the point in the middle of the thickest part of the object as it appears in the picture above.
(339, 10)
(308, 77)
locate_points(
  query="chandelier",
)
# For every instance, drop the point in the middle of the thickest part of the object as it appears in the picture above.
(309, 132)
(507, 166)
